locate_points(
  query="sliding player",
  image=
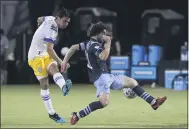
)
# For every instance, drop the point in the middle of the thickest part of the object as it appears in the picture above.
(97, 50)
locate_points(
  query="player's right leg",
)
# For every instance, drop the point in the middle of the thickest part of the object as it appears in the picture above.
(53, 70)
(122, 81)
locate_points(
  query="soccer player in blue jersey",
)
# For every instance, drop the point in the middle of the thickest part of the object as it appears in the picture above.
(97, 50)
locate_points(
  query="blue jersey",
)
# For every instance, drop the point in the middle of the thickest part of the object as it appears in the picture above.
(95, 65)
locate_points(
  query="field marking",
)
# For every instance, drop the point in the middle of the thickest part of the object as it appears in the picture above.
(88, 126)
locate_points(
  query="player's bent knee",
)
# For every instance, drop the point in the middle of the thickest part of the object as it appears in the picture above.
(130, 82)
(134, 83)
(52, 69)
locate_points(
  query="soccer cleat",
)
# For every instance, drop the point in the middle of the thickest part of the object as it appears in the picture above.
(159, 101)
(74, 118)
(66, 88)
(57, 118)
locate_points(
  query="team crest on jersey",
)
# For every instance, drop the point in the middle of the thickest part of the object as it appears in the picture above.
(40, 70)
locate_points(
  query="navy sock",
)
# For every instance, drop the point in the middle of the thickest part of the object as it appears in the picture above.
(141, 93)
(90, 108)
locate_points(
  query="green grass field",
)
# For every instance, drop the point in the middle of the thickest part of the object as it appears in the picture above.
(22, 107)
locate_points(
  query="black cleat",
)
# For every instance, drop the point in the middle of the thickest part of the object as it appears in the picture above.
(57, 118)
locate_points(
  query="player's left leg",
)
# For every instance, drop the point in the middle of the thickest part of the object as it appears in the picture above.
(103, 102)
(103, 90)
(122, 81)
(53, 70)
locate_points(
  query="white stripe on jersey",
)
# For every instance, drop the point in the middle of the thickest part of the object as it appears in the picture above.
(88, 62)
(82, 45)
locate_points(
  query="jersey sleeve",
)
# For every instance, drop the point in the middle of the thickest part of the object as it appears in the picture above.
(82, 46)
(95, 49)
(51, 33)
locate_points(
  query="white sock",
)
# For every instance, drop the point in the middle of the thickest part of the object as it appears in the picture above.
(78, 115)
(59, 79)
(45, 94)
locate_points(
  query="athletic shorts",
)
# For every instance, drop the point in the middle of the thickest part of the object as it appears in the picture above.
(40, 66)
(107, 82)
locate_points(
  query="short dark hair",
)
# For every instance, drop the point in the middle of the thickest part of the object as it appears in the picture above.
(63, 12)
(96, 29)
(89, 26)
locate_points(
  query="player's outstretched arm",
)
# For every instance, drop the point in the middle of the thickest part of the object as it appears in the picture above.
(52, 53)
(105, 53)
(68, 55)
(70, 52)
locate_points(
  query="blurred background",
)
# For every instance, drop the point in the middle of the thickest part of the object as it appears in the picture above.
(150, 38)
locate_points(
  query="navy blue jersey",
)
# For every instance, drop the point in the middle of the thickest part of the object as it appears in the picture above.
(95, 66)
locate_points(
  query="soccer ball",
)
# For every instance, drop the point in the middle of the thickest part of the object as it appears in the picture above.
(129, 93)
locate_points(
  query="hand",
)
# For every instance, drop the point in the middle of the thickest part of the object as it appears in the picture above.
(107, 39)
(67, 66)
(64, 66)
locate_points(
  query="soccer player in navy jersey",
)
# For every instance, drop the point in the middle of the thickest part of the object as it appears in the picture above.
(97, 50)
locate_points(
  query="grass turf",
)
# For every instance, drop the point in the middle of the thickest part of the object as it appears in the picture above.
(22, 107)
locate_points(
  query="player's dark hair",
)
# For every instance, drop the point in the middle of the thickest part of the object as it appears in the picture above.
(89, 26)
(96, 29)
(63, 12)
